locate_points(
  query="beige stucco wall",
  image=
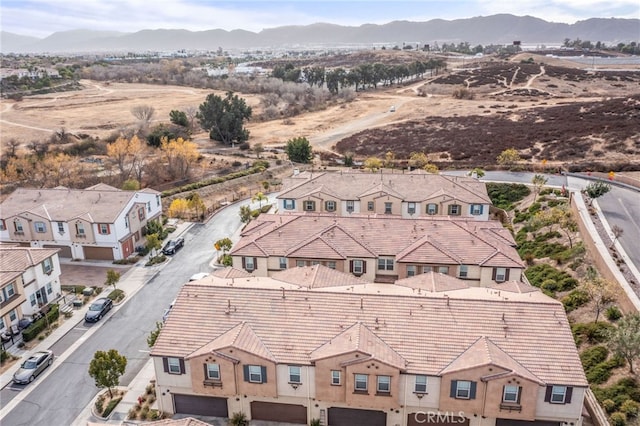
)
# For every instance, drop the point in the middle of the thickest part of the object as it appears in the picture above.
(307, 387)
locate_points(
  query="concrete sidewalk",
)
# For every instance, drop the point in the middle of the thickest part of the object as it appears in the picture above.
(131, 282)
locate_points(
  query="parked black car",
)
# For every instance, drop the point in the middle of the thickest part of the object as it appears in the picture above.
(173, 246)
(98, 309)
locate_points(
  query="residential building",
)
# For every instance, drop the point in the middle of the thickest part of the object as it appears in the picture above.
(305, 345)
(29, 281)
(100, 222)
(380, 248)
(408, 195)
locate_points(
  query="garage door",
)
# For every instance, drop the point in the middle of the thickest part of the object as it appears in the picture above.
(352, 417)
(425, 418)
(65, 251)
(508, 422)
(200, 405)
(99, 253)
(288, 413)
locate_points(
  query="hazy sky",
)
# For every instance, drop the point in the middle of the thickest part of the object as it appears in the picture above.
(41, 18)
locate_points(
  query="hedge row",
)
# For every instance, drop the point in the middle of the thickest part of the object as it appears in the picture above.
(35, 328)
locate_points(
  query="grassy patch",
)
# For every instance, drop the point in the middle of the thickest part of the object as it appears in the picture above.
(504, 195)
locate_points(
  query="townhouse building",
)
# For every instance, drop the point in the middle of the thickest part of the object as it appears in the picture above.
(315, 343)
(408, 195)
(380, 248)
(29, 281)
(100, 222)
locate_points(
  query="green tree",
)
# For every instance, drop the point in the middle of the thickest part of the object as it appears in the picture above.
(478, 172)
(596, 189)
(153, 243)
(601, 292)
(508, 157)
(258, 149)
(245, 214)
(299, 150)
(196, 204)
(538, 182)
(259, 197)
(418, 160)
(224, 118)
(179, 118)
(224, 244)
(131, 185)
(624, 340)
(106, 368)
(430, 168)
(112, 278)
(153, 334)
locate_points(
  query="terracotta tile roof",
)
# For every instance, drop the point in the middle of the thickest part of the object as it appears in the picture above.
(16, 260)
(433, 282)
(240, 337)
(484, 352)
(416, 186)
(317, 276)
(428, 330)
(359, 338)
(98, 204)
(515, 287)
(421, 240)
(230, 272)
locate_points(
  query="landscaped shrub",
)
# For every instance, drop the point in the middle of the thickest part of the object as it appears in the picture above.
(112, 404)
(503, 195)
(594, 332)
(3, 356)
(630, 408)
(575, 299)
(538, 274)
(613, 313)
(36, 327)
(116, 295)
(593, 356)
(598, 374)
(618, 419)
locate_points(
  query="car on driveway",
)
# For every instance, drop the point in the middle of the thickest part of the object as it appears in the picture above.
(173, 246)
(33, 366)
(98, 309)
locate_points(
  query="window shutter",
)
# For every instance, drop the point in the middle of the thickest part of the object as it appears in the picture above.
(364, 266)
(108, 229)
(567, 396)
(472, 392)
(255, 263)
(165, 365)
(493, 274)
(454, 387)
(263, 371)
(351, 266)
(481, 208)
(547, 395)
(519, 393)
(506, 275)
(182, 369)
(245, 369)
(293, 204)
(244, 263)
(437, 209)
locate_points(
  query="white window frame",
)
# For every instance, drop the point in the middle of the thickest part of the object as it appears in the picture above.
(32, 300)
(255, 371)
(103, 228)
(213, 371)
(330, 206)
(40, 227)
(13, 315)
(388, 207)
(510, 393)
(61, 227)
(454, 209)
(301, 263)
(309, 206)
(463, 389)
(382, 382)
(10, 290)
(385, 264)
(283, 263)
(331, 264)
(358, 266)
(443, 269)
(80, 228)
(351, 206)
(49, 288)
(464, 271)
(371, 206)
(411, 270)
(248, 263)
(47, 265)
(476, 209)
(501, 277)
(173, 365)
(432, 209)
(3, 226)
(359, 379)
(411, 208)
(420, 384)
(336, 377)
(295, 377)
(556, 391)
(289, 204)
(18, 226)
(427, 269)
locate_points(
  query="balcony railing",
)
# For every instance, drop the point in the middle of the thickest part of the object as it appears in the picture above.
(212, 383)
(510, 406)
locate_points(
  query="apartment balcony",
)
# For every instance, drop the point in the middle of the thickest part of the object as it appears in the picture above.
(510, 407)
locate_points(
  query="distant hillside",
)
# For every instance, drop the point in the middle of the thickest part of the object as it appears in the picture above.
(498, 29)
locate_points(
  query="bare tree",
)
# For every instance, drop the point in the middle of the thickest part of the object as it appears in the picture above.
(191, 112)
(12, 147)
(144, 113)
(617, 232)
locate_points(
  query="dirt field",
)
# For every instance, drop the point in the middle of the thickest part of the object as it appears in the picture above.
(102, 109)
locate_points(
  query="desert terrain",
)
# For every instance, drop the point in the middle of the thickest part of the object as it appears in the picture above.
(548, 109)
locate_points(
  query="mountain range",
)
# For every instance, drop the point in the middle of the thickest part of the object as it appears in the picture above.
(494, 29)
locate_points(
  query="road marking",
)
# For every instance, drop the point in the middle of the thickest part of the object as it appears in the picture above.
(631, 218)
(143, 351)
